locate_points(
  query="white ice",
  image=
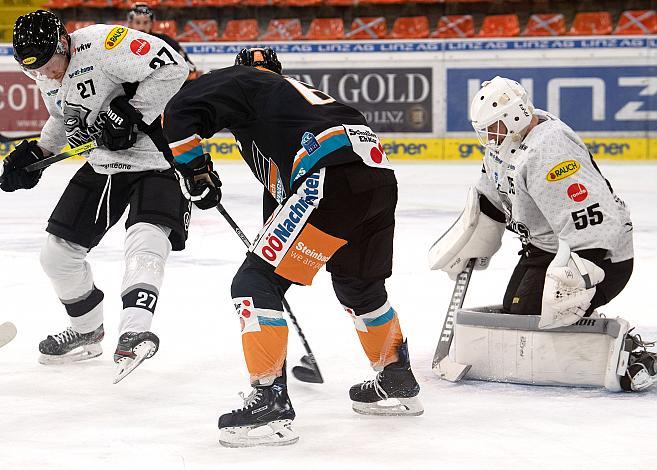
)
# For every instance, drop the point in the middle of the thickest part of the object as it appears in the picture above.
(164, 416)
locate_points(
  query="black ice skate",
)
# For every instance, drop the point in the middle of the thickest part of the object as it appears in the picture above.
(392, 393)
(71, 346)
(642, 369)
(265, 419)
(133, 349)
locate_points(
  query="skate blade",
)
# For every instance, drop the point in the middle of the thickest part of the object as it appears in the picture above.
(451, 371)
(390, 407)
(275, 433)
(82, 353)
(126, 365)
(7, 333)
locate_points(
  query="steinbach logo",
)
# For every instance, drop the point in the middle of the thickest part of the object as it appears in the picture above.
(275, 240)
(115, 36)
(562, 171)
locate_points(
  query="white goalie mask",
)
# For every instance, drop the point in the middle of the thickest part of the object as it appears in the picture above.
(499, 113)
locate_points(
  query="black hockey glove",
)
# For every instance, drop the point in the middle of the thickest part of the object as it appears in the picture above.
(14, 175)
(199, 183)
(259, 57)
(121, 125)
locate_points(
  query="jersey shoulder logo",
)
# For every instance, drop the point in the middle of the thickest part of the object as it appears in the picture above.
(115, 36)
(562, 171)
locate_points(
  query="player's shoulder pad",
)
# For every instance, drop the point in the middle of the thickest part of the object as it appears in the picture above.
(554, 149)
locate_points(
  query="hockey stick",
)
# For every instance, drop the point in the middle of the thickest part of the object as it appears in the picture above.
(46, 162)
(308, 371)
(442, 365)
(6, 139)
(7, 333)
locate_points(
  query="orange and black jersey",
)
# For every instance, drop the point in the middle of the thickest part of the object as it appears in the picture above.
(284, 128)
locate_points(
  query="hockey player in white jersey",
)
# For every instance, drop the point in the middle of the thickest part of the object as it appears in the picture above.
(540, 181)
(106, 84)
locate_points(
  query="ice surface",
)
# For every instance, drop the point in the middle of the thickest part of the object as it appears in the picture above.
(164, 416)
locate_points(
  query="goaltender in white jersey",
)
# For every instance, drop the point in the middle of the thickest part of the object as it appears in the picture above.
(106, 85)
(540, 181)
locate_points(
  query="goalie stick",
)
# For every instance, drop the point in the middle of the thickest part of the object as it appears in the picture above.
(7, 333)
(308, 371)
(442, 365)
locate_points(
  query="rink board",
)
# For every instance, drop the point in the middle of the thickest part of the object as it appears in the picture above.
(416, 94)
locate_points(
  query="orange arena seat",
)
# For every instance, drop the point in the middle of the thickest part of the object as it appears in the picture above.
(241, 30)
(380, 2)
(199, 31)
(75, 25)
(283, 30)
(298, 3)
(325, 29)
(169, 27)
(455, 26)
(340, 3)
(500, 26)
(368, 28)
(549, 24)
(637, 22)
(257, 3)
(410, 27)
(216, 3)
(589, 24)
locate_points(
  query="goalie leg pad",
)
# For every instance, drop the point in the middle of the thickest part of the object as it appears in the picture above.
(512, 348)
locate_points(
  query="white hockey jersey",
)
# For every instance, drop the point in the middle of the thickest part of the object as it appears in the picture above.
(103, 59)
(550, 188)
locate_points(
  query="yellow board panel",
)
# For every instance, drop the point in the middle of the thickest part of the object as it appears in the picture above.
(410, 149)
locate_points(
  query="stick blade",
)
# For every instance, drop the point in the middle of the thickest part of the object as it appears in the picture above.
(451, 371)
(308, 371)
(7, 333)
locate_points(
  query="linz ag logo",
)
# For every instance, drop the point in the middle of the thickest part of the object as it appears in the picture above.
(562, 171)
(275, 240)
(115, 36)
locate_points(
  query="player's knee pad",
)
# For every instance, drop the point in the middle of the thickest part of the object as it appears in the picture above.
(147, 248)
(65, 264)
(362, 296)
(257, 280)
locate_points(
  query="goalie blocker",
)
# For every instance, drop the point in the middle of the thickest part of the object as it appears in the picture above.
(594, 352)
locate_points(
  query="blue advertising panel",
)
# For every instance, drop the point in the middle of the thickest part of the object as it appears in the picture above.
(589, 99)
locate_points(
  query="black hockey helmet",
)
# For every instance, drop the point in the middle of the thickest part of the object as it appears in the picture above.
(269, 59)
(139, 9)
(36, 38)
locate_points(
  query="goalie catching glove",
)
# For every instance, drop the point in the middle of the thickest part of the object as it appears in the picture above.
(473, 235)
(199, 183)
(14, 176)
(570, 283)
